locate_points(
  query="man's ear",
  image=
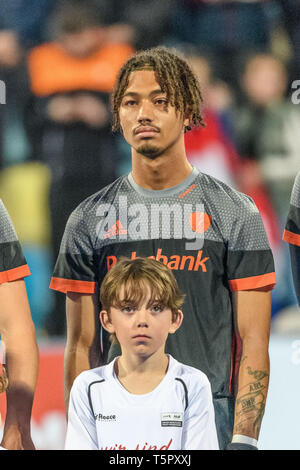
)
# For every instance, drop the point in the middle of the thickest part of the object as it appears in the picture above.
(106, 322)
(187, 123)
(176, 323)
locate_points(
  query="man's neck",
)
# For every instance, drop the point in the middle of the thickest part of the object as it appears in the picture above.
(160, 173)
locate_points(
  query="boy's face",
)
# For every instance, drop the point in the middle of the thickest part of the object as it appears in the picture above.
(149, 123)
(141, 329)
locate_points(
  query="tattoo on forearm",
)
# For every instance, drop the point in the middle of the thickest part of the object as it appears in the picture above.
(250, 403)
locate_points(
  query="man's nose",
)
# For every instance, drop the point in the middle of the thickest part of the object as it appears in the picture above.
(145, 112)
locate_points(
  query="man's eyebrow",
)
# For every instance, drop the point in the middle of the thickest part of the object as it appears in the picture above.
(135, 94)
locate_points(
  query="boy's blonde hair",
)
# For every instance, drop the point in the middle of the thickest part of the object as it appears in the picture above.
(134, 276)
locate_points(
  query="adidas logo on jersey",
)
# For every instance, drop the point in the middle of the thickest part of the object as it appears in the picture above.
(116, 229)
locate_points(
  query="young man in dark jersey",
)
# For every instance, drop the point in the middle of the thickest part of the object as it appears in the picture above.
(291, 234)
(18, 347)
(210, 235)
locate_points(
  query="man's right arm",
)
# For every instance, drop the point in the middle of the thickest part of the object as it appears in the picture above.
(18, 334)
(82, 350)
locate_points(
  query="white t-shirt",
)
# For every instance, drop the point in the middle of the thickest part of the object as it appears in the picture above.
(178, 414)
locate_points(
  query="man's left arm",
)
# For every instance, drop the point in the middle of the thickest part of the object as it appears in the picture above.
(252, 315)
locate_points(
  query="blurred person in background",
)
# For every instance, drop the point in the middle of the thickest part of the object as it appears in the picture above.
(226, 29)
(19, 364)
(291, 17)
(266, 135)
(148, 20)
(68, 116)
(212, 148)
(21, 27)
(266, 126)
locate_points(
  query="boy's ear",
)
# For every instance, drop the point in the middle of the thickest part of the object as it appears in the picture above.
(106, 322)
(176, 323)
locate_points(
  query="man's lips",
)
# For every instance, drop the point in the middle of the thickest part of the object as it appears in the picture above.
(146, 131)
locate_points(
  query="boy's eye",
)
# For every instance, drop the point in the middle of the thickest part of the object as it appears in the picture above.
(157, 308)
(128, 309)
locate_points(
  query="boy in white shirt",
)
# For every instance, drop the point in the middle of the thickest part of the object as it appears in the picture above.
(144, 399)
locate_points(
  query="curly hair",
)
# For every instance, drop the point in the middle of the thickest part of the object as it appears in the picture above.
(174, 76)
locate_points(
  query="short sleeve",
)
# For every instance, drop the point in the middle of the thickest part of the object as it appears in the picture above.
(250, 263)
(74, 269)
(199, 429)
(291, 232)
(81, 430)
(13, 265)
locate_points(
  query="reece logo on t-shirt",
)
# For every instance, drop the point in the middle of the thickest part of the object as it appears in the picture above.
(105, 418)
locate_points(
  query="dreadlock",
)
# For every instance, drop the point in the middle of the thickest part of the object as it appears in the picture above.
(174, 76)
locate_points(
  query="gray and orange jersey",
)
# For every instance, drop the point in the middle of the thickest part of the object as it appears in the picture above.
(291, 232)
(13, 265)
(210, 235)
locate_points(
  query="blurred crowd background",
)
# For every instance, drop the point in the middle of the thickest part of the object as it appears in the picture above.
(59, 60)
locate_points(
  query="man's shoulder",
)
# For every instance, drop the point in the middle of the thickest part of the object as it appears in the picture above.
(214, 189)
(7, 231)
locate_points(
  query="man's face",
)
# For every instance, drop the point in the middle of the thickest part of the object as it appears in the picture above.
(149, 123)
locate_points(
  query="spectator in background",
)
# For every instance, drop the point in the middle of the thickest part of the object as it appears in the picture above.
(225, 29)
(212, 148)
(68, 118)
(291, 16)
(266, 126)
(21, 27)
(149, 20)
